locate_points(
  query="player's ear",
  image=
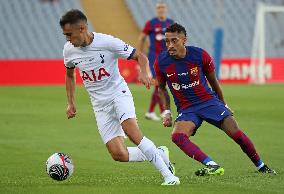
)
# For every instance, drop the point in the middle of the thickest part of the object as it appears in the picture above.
(184, 40)
(83, 26)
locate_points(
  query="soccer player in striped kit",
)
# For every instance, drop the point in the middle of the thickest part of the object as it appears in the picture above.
(155, 29)
(186, 70)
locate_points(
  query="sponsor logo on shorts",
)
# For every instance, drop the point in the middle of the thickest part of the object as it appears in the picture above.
(179, 115)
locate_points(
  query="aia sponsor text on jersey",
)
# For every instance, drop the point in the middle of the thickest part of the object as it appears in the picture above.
(94, 76)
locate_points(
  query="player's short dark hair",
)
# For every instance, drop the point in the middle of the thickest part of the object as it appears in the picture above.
(72, 16)
(161, 2)
(176, 28)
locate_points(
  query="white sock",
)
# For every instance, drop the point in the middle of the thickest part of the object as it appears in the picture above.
(164, 157)
(148, 148)
(135, 154)
(211, 163)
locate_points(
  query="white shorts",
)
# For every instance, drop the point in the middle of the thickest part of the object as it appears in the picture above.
(110, 118)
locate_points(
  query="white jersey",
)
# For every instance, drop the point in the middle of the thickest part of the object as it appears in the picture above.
(98, 66)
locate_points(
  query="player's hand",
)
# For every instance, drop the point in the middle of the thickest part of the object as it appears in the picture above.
(145, 79)
(71, 111)
(167, 120)
(154, 82)
(229, 109)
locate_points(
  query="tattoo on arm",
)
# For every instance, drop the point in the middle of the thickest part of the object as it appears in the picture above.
(164, 95)
(215, 85)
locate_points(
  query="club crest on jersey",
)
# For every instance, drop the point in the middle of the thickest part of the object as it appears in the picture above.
(159, 37)
(125, 47)
(102, 57)
(194, 71)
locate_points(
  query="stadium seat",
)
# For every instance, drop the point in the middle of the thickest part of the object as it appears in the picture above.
(30, 29)
(200, 19)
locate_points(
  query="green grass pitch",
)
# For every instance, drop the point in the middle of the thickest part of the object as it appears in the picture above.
(33, 125)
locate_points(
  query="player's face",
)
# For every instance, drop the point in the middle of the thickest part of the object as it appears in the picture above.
(161, 10)
(74, 33)
(175, 43)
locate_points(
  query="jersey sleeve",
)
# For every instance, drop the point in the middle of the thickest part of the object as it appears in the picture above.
(147, 28)
(120, 48)
(159, 75)
(67, 63)
(207, 62)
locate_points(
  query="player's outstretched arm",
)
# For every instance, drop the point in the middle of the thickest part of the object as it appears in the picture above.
(70, 91)
(141, 41)
(165, 98)
(144, 66)
(164, 95)
(214, 83)
(212, 79)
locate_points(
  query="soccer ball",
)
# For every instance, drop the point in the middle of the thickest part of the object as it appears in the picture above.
(59, 166)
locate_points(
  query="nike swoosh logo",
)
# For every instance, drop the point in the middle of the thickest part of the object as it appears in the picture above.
(179, 115)
(121, 116)
(169, 75)
(223, 112)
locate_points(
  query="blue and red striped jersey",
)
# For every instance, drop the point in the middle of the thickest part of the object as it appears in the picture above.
(186, 77)
(156, 28)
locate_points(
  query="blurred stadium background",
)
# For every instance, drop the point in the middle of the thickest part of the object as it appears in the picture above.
(31, 37)
(32, 118)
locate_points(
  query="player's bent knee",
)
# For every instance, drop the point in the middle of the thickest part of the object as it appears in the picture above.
(230, 122)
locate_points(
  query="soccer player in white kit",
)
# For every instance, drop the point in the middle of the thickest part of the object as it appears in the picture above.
(96, 56)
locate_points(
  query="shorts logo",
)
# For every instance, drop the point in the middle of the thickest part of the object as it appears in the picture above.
(194, 71)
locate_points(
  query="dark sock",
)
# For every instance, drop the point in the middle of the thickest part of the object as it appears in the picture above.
(247, 147)
(189, 148)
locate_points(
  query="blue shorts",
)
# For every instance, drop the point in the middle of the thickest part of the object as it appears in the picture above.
(212, 111)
